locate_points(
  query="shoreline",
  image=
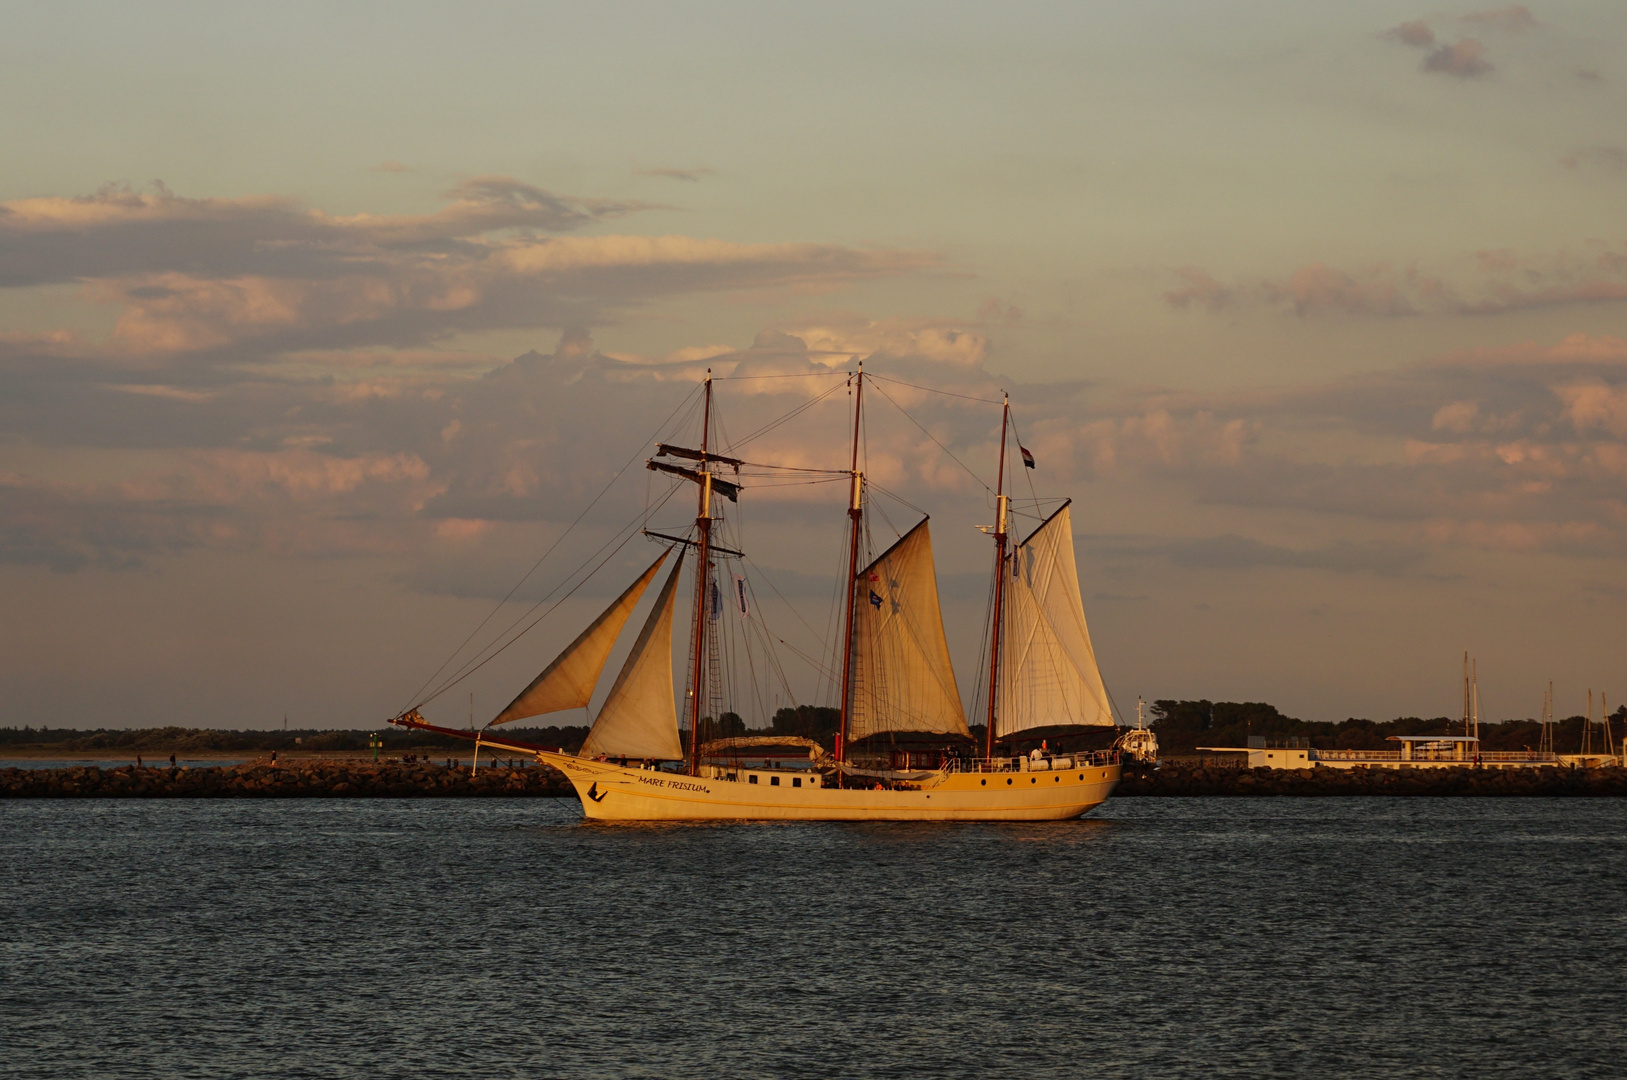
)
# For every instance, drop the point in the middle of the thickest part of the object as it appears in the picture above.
(358, 778)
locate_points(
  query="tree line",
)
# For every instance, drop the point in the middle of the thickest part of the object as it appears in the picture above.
(1183, 726)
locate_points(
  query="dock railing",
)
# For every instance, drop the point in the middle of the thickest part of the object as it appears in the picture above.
(1431, 755)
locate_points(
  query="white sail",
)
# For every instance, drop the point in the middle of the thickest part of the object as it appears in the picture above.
(1048, 674)
(640, 717)
(568, 682)
(902, 679)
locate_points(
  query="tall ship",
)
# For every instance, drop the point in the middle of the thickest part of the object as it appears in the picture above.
(902, 748)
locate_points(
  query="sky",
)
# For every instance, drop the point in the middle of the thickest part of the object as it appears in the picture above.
(320, 324)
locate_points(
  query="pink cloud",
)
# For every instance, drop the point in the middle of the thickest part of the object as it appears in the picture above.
(1514, 19)
(1200, 289)
(1499, 281)
(1416, 33)
(1465, 60)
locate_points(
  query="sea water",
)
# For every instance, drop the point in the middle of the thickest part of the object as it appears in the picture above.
(507, 938)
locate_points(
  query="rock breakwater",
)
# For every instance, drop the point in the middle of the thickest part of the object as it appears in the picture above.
(291, 780)
(1213, 780)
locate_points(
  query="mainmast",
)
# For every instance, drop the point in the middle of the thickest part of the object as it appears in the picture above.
(999, 574)
(703, 555)
(855, 512)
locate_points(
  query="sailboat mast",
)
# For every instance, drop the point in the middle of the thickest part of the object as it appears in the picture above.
(855, 511)
(999, 575)
(703, 555)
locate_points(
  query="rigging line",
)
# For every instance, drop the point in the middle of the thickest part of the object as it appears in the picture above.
(1028, 474)
(789, 468)
(759, 622)
(770, 582)
(932, 390)
(984, 645)
(617, 550)
(801, 375)
(772, 424)
(632, 525)
(896, 497)
(561, 539)
(934, 438)
(465, 671)
(817, 665)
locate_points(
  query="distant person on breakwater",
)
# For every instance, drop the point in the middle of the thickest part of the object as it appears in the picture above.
(172, 761)
(138, 761)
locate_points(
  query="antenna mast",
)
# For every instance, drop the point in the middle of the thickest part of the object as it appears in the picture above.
(1587, 726)
(855, 511)
(1474, 697)
(1465, 692)
(1000, 501)
(703, 555)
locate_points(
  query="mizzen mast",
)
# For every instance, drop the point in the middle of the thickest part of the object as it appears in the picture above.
(1000, 501)
(855, 512)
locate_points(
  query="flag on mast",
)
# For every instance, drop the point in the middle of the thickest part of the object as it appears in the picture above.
(1028, 459)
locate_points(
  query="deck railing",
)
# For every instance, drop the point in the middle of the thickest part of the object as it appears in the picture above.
(1082, 759)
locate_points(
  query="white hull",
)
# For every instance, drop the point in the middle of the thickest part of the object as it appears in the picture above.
(610, 792)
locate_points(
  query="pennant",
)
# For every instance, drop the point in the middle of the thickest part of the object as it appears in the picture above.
(740, 596)
(875, 600)
(1028, 459)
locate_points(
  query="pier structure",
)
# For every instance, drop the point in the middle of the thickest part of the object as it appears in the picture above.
(1414, 752)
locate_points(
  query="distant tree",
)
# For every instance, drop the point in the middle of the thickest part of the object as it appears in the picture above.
(817, 722)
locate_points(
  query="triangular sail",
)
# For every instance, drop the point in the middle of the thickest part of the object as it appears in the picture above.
(902, 679)
(1048, 675)
(640, 717)
(568, 682)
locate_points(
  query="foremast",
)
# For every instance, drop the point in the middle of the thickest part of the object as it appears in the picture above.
(1000, 534)
(855, 513)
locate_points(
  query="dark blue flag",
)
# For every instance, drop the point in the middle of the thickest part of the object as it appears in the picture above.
(875, 600)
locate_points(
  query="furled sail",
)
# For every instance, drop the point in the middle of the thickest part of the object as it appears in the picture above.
(568, 682)
(640, 717)
(1048, 675)
(902, 679)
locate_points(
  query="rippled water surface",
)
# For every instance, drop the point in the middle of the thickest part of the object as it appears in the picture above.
(476, 938)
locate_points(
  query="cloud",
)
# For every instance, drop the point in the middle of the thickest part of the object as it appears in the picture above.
(690, 176)
(1514, 19)
(1416, 33)
(1199, 289)
(1610, 158)
(240, 280)
(119, 231)
(390, 167)
(1466, 60)
(1233, 552)
(1318, 288)
(1497, 282)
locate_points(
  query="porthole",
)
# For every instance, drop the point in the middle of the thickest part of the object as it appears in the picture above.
(1081, 776)
(1056, 779)
(984, 782)
(1033, 779)
(1008, 779)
